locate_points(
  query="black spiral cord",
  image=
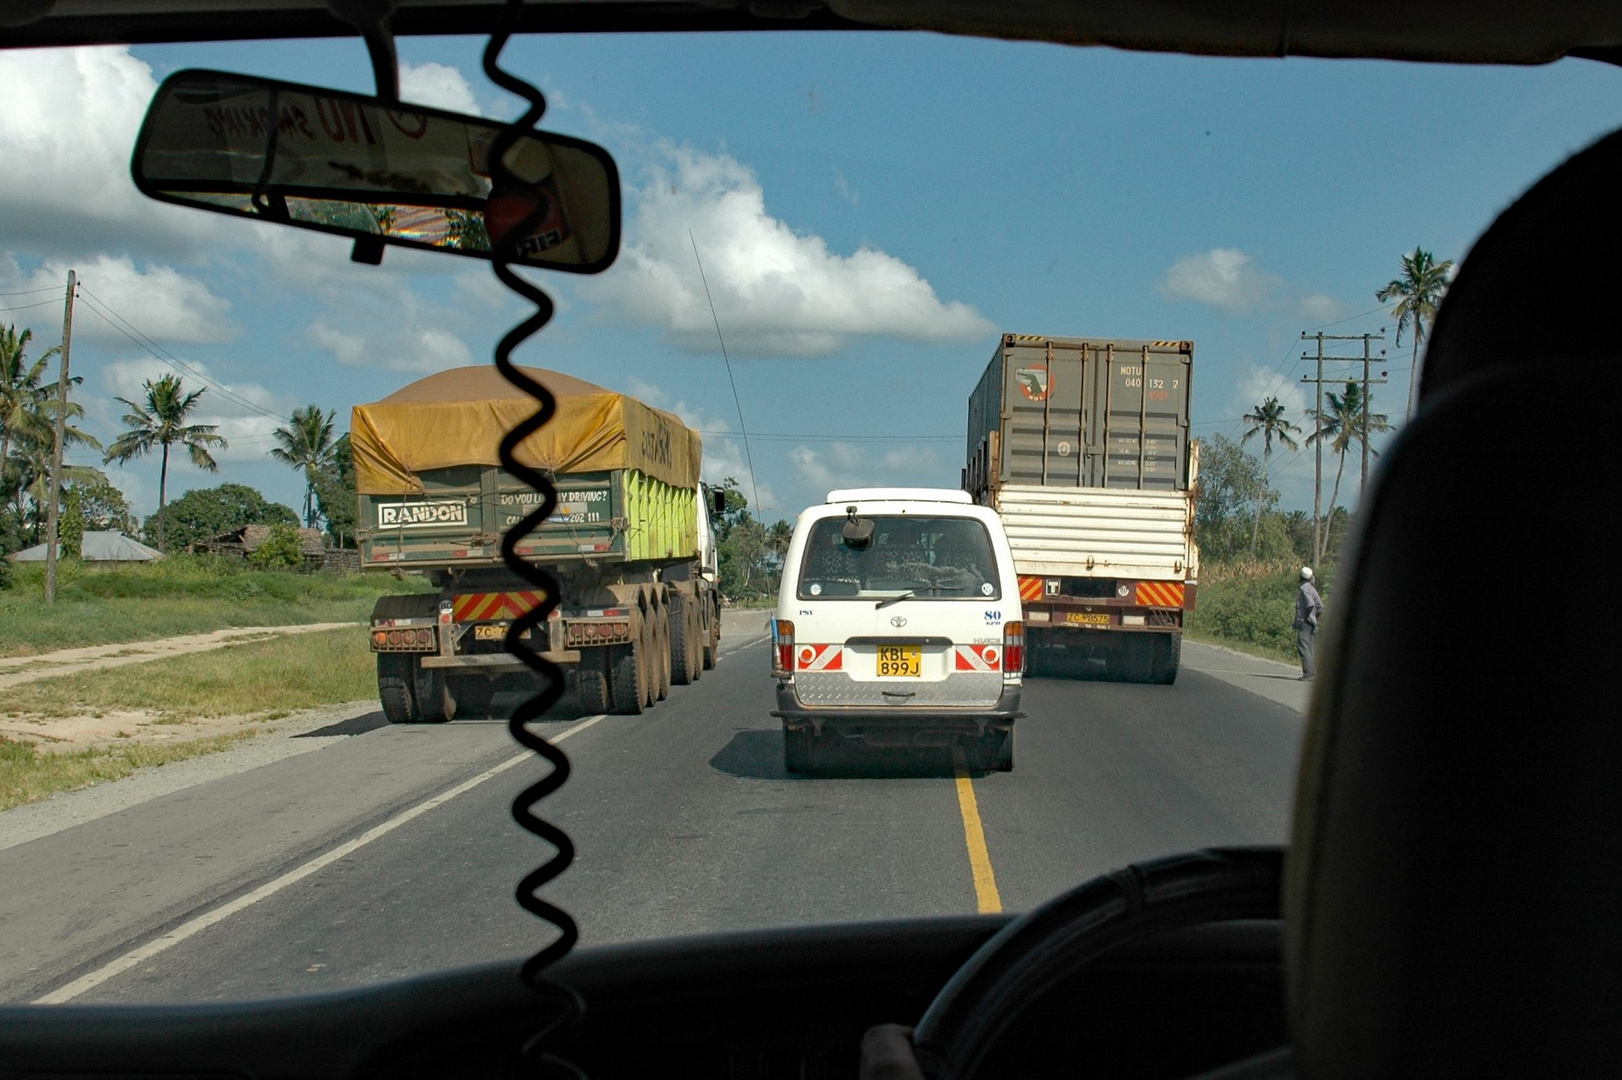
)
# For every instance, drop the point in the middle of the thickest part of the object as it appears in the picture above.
(568, 1006)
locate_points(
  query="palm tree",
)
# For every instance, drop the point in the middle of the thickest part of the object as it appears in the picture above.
(1267, 420)
(31, 450)
(307, 445)
(1342, 425)
(20, 386)
(160, 422)
(1420, 289)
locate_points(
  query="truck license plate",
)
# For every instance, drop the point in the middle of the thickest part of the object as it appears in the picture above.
(1087, 618)
(493, 632)
(903, 660)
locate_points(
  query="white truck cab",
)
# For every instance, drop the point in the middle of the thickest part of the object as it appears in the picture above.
(898, 624)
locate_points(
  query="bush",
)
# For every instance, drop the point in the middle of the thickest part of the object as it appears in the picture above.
(281, 549)
(1252, 604)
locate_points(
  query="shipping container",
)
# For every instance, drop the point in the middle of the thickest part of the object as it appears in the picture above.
(1081, 412)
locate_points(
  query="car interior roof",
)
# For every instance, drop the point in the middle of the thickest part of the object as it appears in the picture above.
(1454, 31)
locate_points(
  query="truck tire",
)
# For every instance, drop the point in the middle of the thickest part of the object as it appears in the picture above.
(591, 687)
(627, 686)
(712, 639)
(1168, 657)
(682, 641)
(394, 688)
(435, 702)
(661, 653)
(799, 750)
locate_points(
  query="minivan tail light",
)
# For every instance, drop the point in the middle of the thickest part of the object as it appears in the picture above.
(782, 648)
(1013, 648)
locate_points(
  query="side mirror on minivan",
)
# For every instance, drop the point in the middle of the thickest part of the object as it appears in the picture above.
(718, 501)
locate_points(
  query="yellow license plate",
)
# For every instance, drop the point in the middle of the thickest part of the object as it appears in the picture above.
(902, 660)
(1087, 618)
(490, 633)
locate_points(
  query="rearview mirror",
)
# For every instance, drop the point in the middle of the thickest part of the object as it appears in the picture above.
(380, 172)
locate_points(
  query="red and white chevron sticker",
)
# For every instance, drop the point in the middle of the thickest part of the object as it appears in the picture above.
(819, 658)
(978, 658)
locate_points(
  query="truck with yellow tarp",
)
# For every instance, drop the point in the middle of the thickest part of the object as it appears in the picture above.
(630, 544)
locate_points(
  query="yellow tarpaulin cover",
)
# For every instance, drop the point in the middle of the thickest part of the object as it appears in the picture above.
(458, 417)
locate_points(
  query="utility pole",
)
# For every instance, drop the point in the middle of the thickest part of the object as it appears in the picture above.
(1363, 438)
(52, 511)
(1320, 532)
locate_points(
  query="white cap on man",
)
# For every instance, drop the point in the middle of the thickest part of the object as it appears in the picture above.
(1306, 573)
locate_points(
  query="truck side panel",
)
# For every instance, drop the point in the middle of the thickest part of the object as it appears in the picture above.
(1082, 532)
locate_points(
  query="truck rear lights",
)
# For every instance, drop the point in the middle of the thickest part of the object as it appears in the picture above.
(1013, 648)
(782, 648)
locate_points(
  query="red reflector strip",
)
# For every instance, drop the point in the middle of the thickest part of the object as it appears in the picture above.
(481, 607)
(819, 658)
(1160, 593)
(977, 658)
(1030, 588)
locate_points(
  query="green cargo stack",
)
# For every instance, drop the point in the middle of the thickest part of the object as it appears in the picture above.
(661, 520)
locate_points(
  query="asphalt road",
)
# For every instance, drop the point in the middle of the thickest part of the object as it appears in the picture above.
(390, 850)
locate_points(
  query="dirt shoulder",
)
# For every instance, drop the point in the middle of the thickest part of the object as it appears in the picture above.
(16, 670)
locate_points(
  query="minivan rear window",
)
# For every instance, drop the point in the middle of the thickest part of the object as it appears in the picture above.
(932, 558)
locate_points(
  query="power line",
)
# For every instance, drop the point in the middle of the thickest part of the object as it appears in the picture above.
(24, 307)
(103, 310)
(31, 292)
(754, 487)
(784, 437)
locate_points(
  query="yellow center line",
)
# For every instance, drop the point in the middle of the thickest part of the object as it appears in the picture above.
(985, 881)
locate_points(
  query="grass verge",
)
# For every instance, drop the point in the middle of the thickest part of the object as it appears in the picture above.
(269, 678)
(183, 594)
(1250, 606)
(29, 774)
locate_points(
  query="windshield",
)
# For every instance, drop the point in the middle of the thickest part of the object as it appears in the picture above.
(925, 556)
(1161, 314)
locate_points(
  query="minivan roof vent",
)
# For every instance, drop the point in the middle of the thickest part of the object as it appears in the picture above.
(900, 494)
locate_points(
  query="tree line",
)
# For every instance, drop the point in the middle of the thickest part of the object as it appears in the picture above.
(156, 424)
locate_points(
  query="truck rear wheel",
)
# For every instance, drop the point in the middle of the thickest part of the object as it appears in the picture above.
(435, 702)
(661, 653)
(683, 641)
(591, 687)
(627, 688)
(712, 640)
(1168, 657)
(394, 688)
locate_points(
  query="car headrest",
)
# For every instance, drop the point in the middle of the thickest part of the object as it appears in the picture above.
(1454, 889)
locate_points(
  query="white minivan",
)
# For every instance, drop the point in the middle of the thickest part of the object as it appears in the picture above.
(898, 624)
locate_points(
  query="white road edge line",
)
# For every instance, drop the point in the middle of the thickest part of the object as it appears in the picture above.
(202, 922)
(740, 648)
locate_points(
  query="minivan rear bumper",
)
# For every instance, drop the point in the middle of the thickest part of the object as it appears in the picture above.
(973, 719)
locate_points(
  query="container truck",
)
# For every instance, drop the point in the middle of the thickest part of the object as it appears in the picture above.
(630, 544)
(1082, 447)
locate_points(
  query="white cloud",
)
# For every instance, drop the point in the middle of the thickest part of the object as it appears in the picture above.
(1223, 278)
(239, 415)
(438, 85)
(413, 345)
(844, 465)
(162, 303)
(1319, 308)
(66, 132)
(777, 292)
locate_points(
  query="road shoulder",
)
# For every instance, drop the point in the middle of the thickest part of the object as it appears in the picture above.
(1275, 681)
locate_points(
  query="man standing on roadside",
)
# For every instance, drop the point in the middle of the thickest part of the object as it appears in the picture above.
(1309, 608)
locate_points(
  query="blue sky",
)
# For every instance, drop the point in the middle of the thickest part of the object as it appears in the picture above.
(873, 210)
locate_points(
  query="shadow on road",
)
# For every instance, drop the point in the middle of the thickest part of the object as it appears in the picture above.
(355, 725)
(758, 755)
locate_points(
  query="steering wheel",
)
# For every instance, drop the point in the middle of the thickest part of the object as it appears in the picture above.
(1038, 949)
